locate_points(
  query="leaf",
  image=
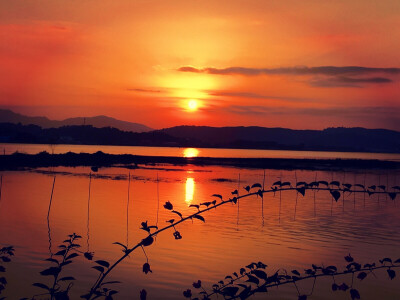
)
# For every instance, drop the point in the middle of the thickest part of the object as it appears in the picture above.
(72, 256)
(230, 291)
(199, 217)
(103, 263)
(392, 196)
(301, 183)
(260, 274)
(98, 268)
(361, 275)
(41, 285)
(207, 204)
(354, 294)
(66, 278)
(168, 205)
(194, 205)
(256, 185)
(336, 183)
(296, 272)
(301, 190)
(335, 195)
(302, 297)
(218, 196)
(122, 245)
(277, 183)
(235, 192)
(52, 260)
(110, 282)
(170, 221)
(51, 271)
(178, 213)
(146, 268)
(323, 182)
(247, 188)
(147, 241)
(61, 252)
(391, 273)
(286, 183)
(67, 262)
(242, 271)
(252, 279)
(89, 255)
(386, 259)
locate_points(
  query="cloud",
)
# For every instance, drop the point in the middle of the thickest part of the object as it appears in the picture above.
(322, 70)
(144, 90)
(258, 96)
(323, 76)
(342, 81)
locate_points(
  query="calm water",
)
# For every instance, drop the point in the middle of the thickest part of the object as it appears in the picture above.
(316, 231)
(190, 152)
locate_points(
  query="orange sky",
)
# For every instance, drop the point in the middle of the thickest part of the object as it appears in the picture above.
(247, 62)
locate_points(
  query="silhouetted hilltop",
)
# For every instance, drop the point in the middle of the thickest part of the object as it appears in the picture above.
(333, 139)
(86, 135)
(8, 116)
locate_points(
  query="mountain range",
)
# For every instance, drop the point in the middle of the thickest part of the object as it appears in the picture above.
(8, 116)
(104, 130)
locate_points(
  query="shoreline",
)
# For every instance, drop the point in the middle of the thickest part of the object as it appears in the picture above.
(19, 161)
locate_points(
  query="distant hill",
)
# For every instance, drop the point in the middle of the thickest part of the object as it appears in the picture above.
(8, 116)
(330, 139)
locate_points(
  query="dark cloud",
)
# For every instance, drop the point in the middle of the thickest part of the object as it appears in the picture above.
(258, 96)
(144, 90)
(323, 70)
(324, 76)
(342, 81)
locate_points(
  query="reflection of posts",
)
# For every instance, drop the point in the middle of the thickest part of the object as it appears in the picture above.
(189, 190)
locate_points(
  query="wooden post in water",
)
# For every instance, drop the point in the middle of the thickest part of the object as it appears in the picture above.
(88, 213)
(237, 222)
(127, 210)
(48, 215)
(1, 185)
(262, 200)
(297, 196)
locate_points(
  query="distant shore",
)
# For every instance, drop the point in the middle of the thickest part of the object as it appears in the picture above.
(19, 161)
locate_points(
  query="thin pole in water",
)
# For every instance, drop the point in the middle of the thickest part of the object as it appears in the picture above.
(237, 222)
(365, 177)
(297, 196)
(354, 188)
(315, 204)
(88, 212)
(262, 200)
(1, 185)
(127, 210)
(344, 181)
(280, 200)
(158, 199)
(48, 215)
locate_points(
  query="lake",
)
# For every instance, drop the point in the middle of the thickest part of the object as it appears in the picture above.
(275, 230)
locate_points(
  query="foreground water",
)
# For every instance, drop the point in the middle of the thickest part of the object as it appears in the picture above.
(275, 231)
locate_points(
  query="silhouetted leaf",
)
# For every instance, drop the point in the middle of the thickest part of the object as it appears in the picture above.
(382, 187)
(392, 196)
(343, 287)
(296, 272)
(391, 273)
(260, 193)
(386, 259)
(88, 255)
(336, 183)
(301, 183)
(66, 278)
(187, 293)
(397, 261)
(256, 185)
(194, 205)
(360, 185)
(72, 256)
(103, 263)
(168, 205)
(372, 187)
(361, 275)
(277, 183)
(286, 183)
(236, 274)
(354, 294)
(51, 271)
(147, 241)
(199, 217)
(52, 260)
(218, 196)
(396, 187)
(302, 297)
(98, 268)
(122, 245)
(41, 285)
(323, 182)
(247, 188)
(171, 221)
(207, 204)
(347, 185)
(197, 284)
(235, 192)
(242, 271)
(335, 287)
(260, 274)
(302, 190)
(178, 213)
(110, 282)
(252, 279)
(61, 252)
(143, 294)
(230, 291)
(335, 195)
(146, 268)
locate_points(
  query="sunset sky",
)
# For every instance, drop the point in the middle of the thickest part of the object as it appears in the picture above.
(294, 64)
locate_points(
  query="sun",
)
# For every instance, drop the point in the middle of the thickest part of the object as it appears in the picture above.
(192, 105)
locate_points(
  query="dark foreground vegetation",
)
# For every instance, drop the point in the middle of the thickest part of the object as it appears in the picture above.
(100, 159)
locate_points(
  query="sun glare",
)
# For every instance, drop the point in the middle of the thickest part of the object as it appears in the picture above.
(190, 152)
(192, 105)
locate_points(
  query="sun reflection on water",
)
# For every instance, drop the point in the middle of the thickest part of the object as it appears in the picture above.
(190, 152)
(189, 190)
